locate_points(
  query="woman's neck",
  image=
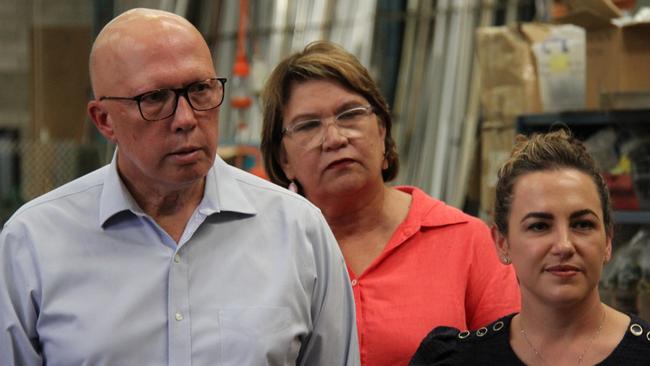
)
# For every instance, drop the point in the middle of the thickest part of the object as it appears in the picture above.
(363, 229)
(563, 335)
(551, 321)
(361, 213)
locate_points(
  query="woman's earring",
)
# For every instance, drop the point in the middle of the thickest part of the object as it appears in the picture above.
(505, 259)
(293, 187)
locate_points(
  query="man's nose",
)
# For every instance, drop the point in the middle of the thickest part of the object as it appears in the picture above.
(184, 117)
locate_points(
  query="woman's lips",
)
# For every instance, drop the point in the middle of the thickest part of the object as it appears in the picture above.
(339, 163)
(563, 270)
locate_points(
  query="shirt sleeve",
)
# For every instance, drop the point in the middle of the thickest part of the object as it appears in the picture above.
(333, 340)
(438, 348)
(19, 293)
(492, 289)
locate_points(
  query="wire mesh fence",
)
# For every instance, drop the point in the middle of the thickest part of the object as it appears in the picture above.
(29, 169)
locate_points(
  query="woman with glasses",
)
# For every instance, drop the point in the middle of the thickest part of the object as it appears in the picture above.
(554, 224)
(413, 262)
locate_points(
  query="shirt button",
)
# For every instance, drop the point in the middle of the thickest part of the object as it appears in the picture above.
(177, 258)
(179, 316)
(354, 282)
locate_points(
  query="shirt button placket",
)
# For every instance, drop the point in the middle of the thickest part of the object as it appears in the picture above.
(179, 327)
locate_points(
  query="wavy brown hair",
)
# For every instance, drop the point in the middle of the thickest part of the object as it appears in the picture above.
(549, 151)
(320, 60)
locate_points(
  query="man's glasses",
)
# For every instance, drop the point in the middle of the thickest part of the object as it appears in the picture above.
(311, 132)
(159, 104)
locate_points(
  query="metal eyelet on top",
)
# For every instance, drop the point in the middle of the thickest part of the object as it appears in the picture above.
(464, 334)
(636, 329)
(647, 336)
(481, 332)
(497, 326)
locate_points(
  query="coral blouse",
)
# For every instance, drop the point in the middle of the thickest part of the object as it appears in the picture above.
(440, 267)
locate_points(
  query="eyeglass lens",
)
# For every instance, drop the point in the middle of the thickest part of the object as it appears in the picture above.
(202, 96)
(348, 123)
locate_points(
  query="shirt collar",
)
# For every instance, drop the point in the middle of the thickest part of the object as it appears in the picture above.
(224, 189)
(427, 211)
(222, 194)
(115, 197)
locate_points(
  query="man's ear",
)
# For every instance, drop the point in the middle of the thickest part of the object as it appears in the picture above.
(100, 119)
(501, 244)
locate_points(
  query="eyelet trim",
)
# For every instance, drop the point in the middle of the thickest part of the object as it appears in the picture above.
(636, 329)
(647, 336)
(464, 334)
(497, 326)
(481, 332)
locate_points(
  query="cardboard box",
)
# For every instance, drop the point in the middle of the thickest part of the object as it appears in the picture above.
(618, 56)
(497, 140)
(509, 85)
(561, 68)
(531, 68)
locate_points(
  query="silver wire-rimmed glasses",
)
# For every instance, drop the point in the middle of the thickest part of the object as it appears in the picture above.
(311, 132)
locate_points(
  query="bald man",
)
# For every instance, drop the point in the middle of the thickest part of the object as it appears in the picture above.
(168, 256)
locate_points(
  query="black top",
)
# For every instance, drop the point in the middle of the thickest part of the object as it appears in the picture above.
(490, 345)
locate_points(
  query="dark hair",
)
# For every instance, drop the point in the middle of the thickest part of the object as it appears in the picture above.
(550, 151)
(320, 60)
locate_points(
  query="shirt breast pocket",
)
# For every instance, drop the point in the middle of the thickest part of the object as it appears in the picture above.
(257, 336)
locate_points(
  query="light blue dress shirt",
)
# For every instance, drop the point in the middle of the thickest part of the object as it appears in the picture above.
(257, 278)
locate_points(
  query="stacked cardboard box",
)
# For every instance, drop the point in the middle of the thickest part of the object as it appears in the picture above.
(618, 55)
(509, 88)
(616, 76)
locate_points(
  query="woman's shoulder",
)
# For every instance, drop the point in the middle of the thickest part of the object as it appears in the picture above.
(637, 333)
(635, 319)
(635, 345)
(451, 346)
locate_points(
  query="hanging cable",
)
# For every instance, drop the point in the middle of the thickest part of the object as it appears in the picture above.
(241, 99)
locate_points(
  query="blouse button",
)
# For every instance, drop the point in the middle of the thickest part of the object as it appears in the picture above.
(354, 282)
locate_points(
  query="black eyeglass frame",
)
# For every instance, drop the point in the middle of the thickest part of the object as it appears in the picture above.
(178, 92)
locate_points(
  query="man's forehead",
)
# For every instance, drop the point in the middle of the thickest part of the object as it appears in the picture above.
(139, 21)
(141, 30)
(135, 40)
